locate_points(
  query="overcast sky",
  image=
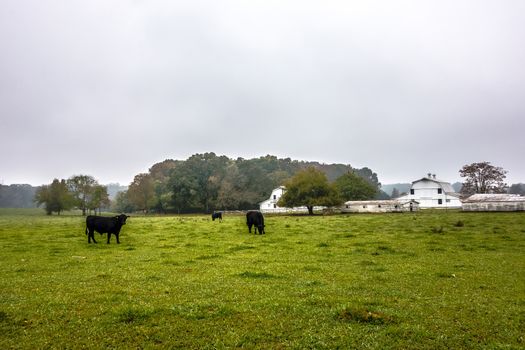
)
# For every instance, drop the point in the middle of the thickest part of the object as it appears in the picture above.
(109, 88)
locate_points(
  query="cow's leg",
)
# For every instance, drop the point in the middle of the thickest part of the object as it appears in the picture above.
(109, 236)
(91, 235)
(249, 228)
(118, 241)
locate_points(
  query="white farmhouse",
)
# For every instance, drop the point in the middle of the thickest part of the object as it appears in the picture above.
(430, 192)
(270, 205)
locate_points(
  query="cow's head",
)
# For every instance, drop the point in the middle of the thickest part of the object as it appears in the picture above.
(122, 219)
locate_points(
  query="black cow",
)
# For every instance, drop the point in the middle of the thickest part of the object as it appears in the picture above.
(109, 225)
(216, 215)
(256, 219)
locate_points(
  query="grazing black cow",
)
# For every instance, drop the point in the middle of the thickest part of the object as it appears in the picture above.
(216, 215)
(256, 219)
(109, 225)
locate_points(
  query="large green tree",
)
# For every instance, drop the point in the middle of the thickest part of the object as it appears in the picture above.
(183, 189)
(195, 184)
(82, 188)
(483, 177)
(309, 187)
(352, 187)
(55, 197)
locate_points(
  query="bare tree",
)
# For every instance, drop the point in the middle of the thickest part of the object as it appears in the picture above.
(483, 178)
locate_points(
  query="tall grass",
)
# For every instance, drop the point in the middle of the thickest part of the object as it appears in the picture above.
(407, 281)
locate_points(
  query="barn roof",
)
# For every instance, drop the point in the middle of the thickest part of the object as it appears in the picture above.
(494, 197)
(447, 187)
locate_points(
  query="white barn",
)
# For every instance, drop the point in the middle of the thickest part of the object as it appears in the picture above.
(430, 192)
(494, 202)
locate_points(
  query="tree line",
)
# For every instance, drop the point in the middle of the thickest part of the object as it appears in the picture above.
(17, 196)
(202, 183)
(208, 182)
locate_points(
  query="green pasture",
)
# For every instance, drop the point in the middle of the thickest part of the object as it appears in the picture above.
(428, 280)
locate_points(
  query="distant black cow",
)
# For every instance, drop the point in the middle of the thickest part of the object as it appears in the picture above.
(109, 225)
(256, 219)
(216, 215)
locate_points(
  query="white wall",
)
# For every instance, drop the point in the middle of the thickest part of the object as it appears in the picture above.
(270, 205)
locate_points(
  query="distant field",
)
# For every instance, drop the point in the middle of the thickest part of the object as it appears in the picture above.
(429, 280)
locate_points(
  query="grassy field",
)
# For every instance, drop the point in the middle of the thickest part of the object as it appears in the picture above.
(429, 280)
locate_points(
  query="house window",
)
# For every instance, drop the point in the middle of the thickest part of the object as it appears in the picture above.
(379, 205)
(448, 200)
(440, 191)
(440, 201)
(411, 191)
(275, 206)
(274, 196)
(364, 206)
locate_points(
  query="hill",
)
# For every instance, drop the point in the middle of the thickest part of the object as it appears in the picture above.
(17, 196)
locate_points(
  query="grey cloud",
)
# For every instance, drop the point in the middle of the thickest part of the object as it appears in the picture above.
(401, 87)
